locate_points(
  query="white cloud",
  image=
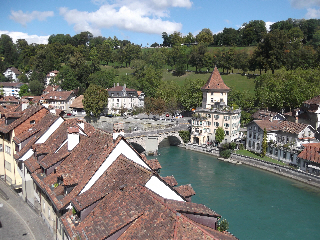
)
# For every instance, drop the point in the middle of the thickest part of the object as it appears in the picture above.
(268, 24)
(144, 16)
(29, 38)
(313, 13)
(24, 18)
(305, 3)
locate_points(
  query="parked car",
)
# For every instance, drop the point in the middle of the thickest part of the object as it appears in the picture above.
(69, 114)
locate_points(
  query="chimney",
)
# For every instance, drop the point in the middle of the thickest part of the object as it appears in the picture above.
(24, 106)
(114, 84)
(73, 137)
(124, 86)
(117, 84)
(117, 130)
(81, 124)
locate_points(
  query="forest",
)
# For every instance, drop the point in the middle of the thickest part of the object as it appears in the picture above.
(284, 62)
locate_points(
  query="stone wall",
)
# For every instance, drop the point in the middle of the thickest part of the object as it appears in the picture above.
(298, 175)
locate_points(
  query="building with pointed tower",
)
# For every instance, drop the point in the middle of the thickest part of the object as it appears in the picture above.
(215, 113)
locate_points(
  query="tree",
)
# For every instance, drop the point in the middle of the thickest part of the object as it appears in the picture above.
(166, 40)
(197, 59)
(219, 136)
(95, 99)
(104, 79)
(24, 90)
(168, 92)
(36, 88)
(264, 143)
(273, 48)
(190, 93)
(154, 105)
(252, 32)
(205, 36)
(23, 78)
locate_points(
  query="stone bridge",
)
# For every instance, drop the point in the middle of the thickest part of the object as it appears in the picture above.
(148, 141)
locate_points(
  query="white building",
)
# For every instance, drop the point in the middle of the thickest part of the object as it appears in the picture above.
(121, 97)
(12, 73)
(10, 88)
(50, 76)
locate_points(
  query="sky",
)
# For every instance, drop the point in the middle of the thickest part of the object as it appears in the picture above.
(141, 21)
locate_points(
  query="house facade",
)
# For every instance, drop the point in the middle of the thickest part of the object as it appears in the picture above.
(121, 97)
(215, 113)
(10, 88)
(15, 123)
(77, 107)
(12, 73)
(58, 100)
(309, 158)
(50, 77)
(285, 139)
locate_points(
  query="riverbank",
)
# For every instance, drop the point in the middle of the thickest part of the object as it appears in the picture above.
(284, 171)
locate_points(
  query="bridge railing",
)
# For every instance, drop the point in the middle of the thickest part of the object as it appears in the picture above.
(155, 132)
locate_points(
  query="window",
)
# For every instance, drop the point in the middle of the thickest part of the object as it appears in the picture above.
(1, 148)
(258, 146)
(254, 136)
(8, 149)
(249, 144)
(227, 133)
(211, 99)
(7, 165)
(217, 124)
(209, 123)
(44, 206)
(32, 121)
(226, 125)
(48, 211)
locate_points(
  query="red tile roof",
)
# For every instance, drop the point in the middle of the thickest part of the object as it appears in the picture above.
(77, 103)
(58, 95)
(154, 164)
(27, 113)
(215, 82)
(137, 213)
(185, 190)
(170, 180)
(315, 100)
(311, 152)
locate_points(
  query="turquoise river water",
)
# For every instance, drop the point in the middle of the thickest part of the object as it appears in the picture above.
(257, 204)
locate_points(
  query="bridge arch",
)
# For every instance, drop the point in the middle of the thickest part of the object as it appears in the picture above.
(137, 147)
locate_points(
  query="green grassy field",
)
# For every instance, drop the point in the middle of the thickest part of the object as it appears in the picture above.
(265, 158)
(235, 81)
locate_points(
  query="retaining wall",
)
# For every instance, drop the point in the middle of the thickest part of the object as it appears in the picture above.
(298, 175)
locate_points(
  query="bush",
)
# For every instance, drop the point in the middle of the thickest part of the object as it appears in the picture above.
(185, 135)
(223, 225)
(225, 153)
(232, 145)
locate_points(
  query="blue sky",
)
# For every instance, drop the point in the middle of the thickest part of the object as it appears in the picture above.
(141, 21)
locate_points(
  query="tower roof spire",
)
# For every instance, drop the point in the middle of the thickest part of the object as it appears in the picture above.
(215, 82)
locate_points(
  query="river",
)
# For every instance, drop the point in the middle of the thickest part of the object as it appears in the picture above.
(257, 204)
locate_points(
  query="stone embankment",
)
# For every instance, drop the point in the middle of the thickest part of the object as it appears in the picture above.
(289, 172)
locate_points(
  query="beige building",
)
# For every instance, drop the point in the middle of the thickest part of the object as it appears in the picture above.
(13, 124)
(215, 113)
